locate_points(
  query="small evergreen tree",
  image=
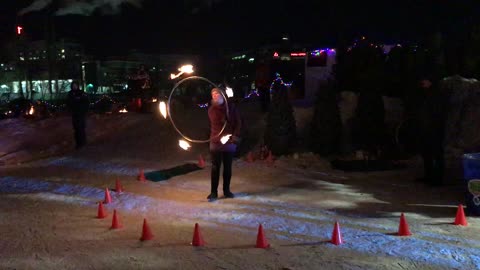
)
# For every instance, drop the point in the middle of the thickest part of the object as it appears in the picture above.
(326, 126)
(280, 133)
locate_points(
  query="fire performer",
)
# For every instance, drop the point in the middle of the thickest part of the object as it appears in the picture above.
(223, 145)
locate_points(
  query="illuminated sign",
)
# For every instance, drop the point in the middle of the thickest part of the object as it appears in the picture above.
(298, 54)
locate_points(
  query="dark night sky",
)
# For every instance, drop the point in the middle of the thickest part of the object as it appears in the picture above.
(169, 26)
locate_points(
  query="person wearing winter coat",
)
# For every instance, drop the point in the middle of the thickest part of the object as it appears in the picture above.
(432, 118)
(222, 152)
(78, 103)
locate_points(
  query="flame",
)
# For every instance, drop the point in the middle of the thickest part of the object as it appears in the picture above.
(123, 110)
(183, 69)
(184, 144)
(162, 106)
(225, 138)
(31, 111)
(186, 69)
(229, 92)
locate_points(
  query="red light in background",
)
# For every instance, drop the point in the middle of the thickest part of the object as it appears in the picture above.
(19, 30)
(298, 54)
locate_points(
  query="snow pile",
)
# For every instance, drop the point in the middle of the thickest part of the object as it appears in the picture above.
(463, 117)
(29, 139)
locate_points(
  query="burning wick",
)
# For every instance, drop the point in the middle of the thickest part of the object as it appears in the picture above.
(183, 144)
(225, 138)
(184, 69)
(163, 109)
(229, 92)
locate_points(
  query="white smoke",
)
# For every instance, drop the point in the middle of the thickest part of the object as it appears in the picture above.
(35, 6)
(81, 7)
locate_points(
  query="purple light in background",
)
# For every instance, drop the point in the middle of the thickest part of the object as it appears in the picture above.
(254, 92)
(317, 52)
(279, 78)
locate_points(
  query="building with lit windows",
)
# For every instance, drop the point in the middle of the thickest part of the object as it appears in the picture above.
(40, 71)
(116, 74)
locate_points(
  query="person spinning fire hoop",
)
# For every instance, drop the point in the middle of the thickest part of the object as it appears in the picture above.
(222, 152)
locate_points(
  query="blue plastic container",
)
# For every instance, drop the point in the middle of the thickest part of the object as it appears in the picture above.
(471, 174)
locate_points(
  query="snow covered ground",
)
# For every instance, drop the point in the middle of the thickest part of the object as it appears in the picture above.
(50, 194)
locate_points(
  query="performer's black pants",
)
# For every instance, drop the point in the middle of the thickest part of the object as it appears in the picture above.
(433, 162)
(79, 126)
(217, 159)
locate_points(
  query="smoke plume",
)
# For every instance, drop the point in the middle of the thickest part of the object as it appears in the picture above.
(35, 6)
(81, 7)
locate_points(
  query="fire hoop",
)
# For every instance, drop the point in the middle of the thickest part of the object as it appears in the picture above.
(170, 105)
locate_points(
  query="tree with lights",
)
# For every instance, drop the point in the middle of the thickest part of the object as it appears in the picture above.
(360, 68)
(280, 133)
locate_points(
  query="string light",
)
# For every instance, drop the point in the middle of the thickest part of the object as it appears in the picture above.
(318, 52)
(254, 92)
(279, 79)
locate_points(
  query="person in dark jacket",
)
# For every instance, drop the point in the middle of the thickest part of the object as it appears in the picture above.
(78, 103)
(432, 118)
(222, 152)
(262, 83)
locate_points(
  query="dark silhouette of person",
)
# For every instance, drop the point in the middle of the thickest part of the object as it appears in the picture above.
(222, 152)
(431, 123)
(78, 103)
(262, 83)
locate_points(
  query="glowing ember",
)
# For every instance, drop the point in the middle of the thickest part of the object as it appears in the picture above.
(225, 138)
(184, 69)
(162, 106)
(184, 144)
(229, 92)
(123, 110)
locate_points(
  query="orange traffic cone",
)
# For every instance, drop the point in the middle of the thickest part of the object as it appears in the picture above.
(141, 176)
(250, 157)
(201, 162)
(336, 235)
(108, 198)
(261, 241)
(115, 223)
(197, 237)
(118, 186)
(270, 158)
(460, 218)
(101, 211)
(403, 228)
(146, 233)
